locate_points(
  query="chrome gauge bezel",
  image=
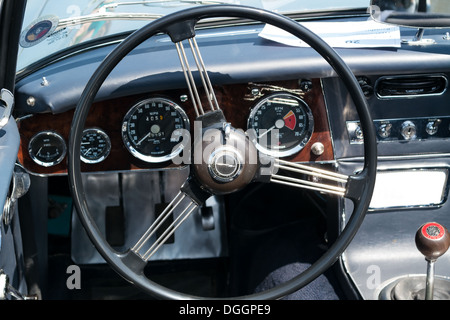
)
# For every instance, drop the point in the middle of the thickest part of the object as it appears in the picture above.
(130, 145)
(292, 150)
(106, 151)
(52, 134)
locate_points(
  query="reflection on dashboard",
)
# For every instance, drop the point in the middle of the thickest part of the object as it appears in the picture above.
(152, 128)
(282, 124)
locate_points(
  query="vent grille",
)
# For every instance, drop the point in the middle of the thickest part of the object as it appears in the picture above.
(389, 87)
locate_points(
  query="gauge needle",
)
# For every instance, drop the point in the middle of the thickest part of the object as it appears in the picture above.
(266, 132)
(154, 129)
(278, 125)
(87, 151)
(145, 137)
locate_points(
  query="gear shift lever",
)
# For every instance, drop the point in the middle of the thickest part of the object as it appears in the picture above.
(432, 240)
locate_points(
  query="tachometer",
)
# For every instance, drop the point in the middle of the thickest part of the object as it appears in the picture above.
(95, 145)
(280, 124)
(152, 128)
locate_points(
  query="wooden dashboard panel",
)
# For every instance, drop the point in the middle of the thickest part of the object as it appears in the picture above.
(235, 101)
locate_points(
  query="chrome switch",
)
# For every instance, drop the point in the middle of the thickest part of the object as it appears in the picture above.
(384, 130)
(432, 127)
(408, 130)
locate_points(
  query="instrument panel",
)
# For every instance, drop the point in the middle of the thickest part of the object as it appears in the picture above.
(146, 131)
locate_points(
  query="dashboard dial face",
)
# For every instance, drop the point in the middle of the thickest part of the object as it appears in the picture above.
(152, 130)
(280, 124)
(95, 145)
(47, 148)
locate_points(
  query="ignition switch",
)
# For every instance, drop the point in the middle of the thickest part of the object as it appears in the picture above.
(408, 130)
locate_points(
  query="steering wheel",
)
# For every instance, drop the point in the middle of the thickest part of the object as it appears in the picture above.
(209, 176)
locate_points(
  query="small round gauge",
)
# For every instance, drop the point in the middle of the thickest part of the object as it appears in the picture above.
(152, 130)
(47, 148)
(280, 124)
(95, 145)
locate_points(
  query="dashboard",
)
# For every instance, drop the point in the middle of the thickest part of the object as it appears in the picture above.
(146, 131)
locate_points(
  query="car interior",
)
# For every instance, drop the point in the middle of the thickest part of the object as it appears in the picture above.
(226, 150)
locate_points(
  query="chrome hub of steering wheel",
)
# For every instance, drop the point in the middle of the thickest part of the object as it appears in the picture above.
(225, 164)
(224, 159)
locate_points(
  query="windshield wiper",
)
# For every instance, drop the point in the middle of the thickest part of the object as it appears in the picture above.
(102, 16)
(171, 3)
(103, 13)
(46, 26)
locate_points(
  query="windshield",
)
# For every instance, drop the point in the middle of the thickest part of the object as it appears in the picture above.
(53, 25)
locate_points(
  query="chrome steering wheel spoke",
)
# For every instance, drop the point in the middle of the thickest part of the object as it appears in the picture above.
(309, 177)
(145, 248)
(190, 80)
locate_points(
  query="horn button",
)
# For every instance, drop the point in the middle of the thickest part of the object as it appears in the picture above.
(225, 164)
(226, 160)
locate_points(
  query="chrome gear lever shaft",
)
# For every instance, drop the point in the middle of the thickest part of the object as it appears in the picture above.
(432, 240)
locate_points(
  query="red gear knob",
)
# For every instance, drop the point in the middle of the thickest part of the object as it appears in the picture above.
(432, 240)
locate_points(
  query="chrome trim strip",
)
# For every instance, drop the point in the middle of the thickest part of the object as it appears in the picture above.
(398, 157)
(325, 101)
(444, 195)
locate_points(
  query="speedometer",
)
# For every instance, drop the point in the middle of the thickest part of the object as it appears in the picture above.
(151, 129)
(280, 124)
